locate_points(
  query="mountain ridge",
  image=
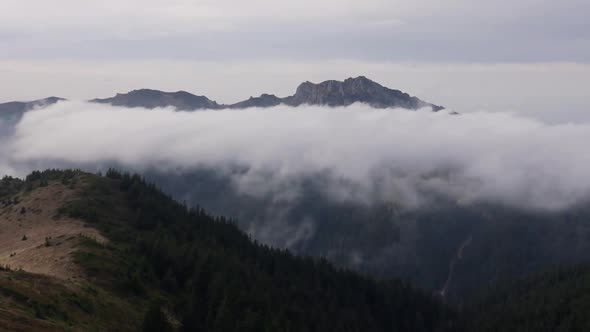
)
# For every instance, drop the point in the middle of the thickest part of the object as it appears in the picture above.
(331, 93)
(199, 272)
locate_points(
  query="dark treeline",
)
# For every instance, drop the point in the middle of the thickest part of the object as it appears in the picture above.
(558, 300)
(384, 239)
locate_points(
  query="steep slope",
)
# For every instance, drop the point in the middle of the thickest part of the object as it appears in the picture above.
(43, 286)
(384, 239)
(38, 303)
(200, 273)
(154, 265)
(147, 98)
(34, 238)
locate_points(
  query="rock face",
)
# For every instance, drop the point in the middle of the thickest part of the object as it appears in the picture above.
(353, 90)
(146, 98)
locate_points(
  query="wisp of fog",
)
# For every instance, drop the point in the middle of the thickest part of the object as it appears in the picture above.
(384, 154)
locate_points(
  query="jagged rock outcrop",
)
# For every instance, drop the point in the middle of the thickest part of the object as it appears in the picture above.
(354, 90)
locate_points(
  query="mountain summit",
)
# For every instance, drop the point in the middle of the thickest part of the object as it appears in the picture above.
(354, 90)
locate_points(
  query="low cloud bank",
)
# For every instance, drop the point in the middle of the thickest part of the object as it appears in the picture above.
(367, 154)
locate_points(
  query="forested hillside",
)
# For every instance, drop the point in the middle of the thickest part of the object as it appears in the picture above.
(386, 239)
(166, 267)
(201, 273)
(558, 300)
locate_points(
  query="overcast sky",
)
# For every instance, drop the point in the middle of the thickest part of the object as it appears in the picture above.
(520, 55)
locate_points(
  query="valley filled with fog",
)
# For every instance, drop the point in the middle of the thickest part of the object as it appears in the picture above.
(389, 192)
(297, 166)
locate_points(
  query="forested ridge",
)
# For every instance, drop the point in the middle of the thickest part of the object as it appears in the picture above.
(174, 268)
(201, 273)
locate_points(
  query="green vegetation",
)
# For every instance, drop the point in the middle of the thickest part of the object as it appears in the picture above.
(385, 239)
(557, 300)
(9, 186)
(37, 303)
(210, 276)
(167, 267)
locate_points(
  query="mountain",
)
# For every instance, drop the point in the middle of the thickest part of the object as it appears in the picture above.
(444, 245)
(147, 98)
(17, 108)
(353, 90)
(328, 93)
(83, 252)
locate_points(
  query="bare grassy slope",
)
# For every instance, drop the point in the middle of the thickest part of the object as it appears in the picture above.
(34, 238)
(42, 285)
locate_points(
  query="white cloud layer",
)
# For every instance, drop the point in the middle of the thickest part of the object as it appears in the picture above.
(383, 154)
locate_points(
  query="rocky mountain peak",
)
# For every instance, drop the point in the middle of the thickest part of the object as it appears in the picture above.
(354, 90)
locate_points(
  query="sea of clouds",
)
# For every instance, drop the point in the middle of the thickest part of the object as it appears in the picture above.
(368, 154)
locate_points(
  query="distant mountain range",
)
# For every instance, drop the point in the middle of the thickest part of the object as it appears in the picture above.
(329, 93)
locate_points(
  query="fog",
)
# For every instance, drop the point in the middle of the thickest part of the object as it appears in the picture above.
(366, 154)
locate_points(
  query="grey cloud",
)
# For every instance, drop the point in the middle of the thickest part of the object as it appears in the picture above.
(460, 31)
